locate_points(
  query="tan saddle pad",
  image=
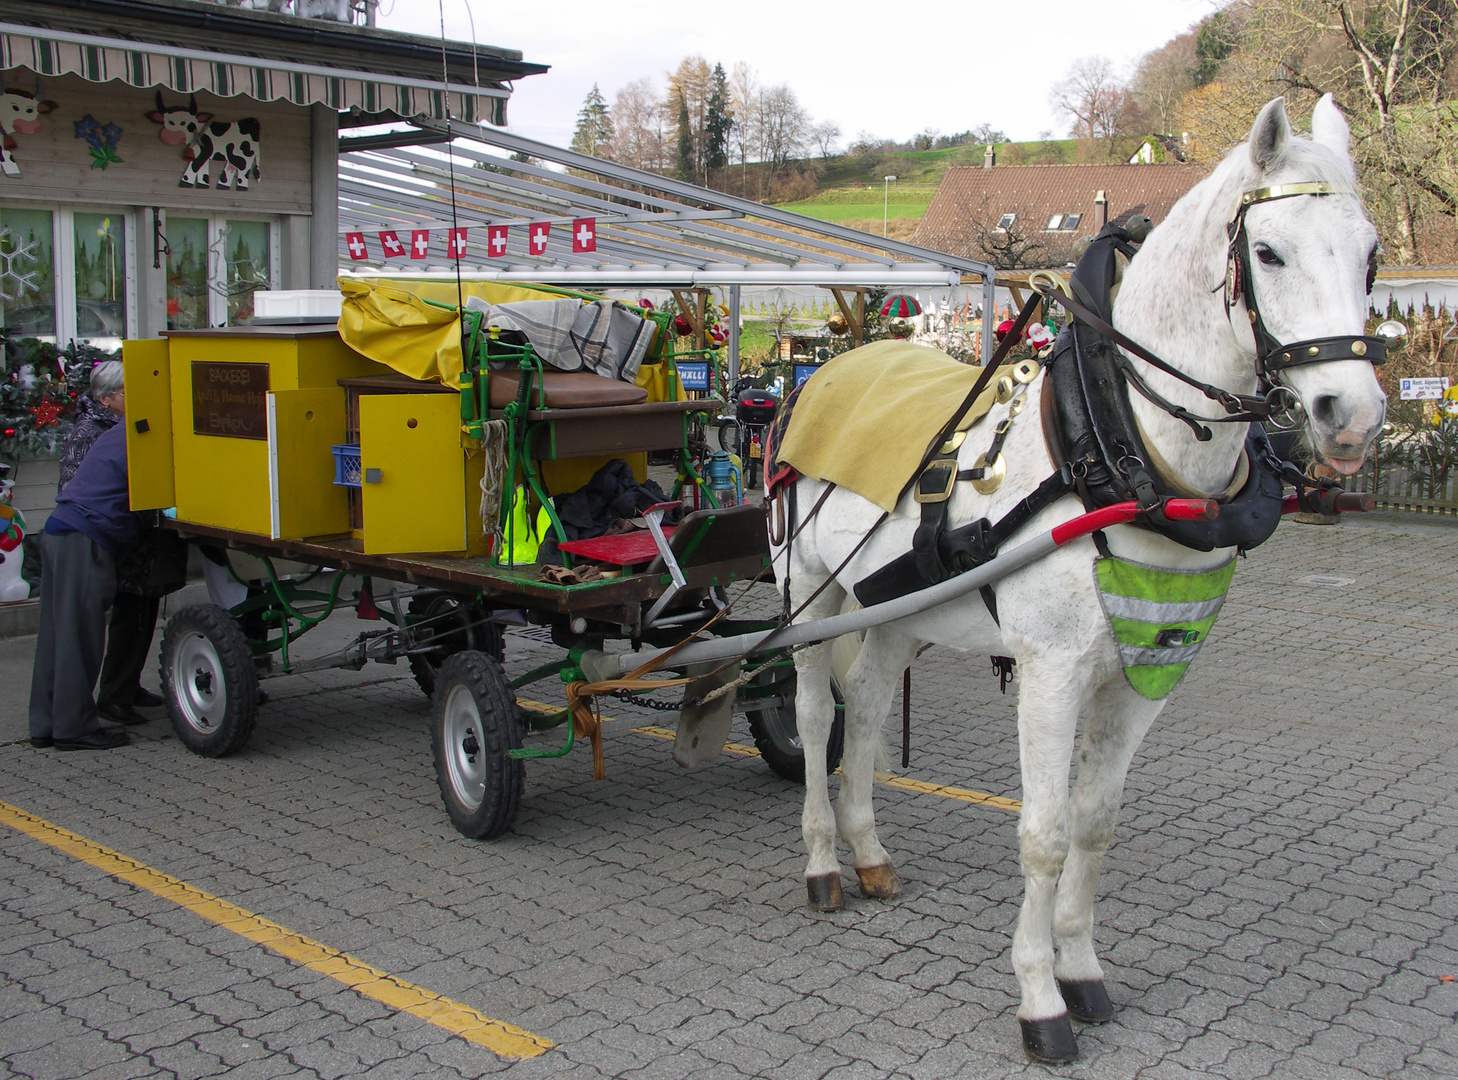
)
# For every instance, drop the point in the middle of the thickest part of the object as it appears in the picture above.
(864, 420)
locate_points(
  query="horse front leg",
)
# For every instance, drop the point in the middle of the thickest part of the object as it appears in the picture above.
(1049, 700)
(1118, 720)
(870, 686)
(814, 717)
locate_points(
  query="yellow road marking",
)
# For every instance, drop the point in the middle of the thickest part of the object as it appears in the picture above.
(502, 1039)
(905, 783)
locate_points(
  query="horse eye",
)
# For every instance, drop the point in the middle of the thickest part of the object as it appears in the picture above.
(1269, 257)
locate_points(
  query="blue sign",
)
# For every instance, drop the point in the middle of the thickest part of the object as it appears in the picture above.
(804, 371)
(694, 374)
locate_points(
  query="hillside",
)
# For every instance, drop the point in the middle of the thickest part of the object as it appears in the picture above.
(851, 188)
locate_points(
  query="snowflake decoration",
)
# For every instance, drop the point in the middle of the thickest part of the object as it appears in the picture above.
(17, 266)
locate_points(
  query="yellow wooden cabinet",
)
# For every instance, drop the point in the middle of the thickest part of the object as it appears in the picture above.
(412, 473)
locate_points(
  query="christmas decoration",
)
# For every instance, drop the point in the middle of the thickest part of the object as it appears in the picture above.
(101, 138)
(584, 235)
(837, 324)
(12, 531)
(900, 307)
(39, 385)
(17, 266)
(20, 114)
(682, 326)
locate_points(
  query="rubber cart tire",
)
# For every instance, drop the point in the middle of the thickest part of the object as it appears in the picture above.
(730, 436)
(778, 739)
(474, 723)
(459, 626)
(208, 678)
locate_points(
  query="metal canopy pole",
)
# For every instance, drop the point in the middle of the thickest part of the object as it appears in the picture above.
(989, 301)
(734, 333)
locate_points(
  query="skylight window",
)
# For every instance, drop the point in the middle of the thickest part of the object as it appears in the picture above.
(1005, 222)
(1055, 222)
(1070, 221)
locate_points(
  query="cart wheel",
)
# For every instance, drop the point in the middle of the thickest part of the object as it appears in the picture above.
(730, 436)
(452, 627)
(208, 679)
(778, 739)
(474, 724)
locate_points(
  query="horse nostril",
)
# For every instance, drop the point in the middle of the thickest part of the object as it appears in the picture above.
(1324, 411)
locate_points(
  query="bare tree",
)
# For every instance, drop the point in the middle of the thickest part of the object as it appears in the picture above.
(1162, 80)
(823, 135)
(1096, 104)
(638, 126)
(744, 136)
(783, 127)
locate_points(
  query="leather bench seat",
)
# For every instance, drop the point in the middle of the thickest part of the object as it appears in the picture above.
(566, 390)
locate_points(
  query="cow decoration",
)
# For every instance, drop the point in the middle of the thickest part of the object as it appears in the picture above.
(203, 139)
(20, 114)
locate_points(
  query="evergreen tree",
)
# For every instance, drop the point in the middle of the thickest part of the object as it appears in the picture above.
(717, 122)
(594, 134)
(686, 170)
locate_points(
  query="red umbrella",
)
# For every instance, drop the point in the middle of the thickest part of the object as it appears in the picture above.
(900, 306)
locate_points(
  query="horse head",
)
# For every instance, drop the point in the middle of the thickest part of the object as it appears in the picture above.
(1300, 268)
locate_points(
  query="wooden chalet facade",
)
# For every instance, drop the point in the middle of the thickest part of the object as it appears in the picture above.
(112, 224)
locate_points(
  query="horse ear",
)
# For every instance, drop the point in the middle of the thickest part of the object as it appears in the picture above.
(1329, 126)
(1270, 135)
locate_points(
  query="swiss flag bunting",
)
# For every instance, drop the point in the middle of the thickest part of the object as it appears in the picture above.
(355, 242)
(419, 243)
(495, 241)
(584, 235)
(537, 233)
(456, 244)
(390, 241)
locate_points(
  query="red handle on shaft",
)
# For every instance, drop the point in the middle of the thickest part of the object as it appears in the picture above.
(1125, 512)
(1339, 502)
(1191, 509)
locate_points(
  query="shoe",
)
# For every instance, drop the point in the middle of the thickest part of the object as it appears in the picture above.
(42, 742)
(145, 699)
(102, 739)
(126, 715)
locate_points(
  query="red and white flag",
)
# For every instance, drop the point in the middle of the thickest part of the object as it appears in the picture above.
(495, 241)
(537, 236)
(456, 244)
(355, 242)
(584, 235)
(390, 241)
(419, 243)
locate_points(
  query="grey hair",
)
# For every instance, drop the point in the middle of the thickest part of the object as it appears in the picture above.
(106, 378)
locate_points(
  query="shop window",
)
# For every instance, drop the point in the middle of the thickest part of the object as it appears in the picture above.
(187, 273)
(101, 279)
(27, 273)
(247, 264)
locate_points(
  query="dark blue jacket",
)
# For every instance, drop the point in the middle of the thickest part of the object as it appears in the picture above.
(96, 502)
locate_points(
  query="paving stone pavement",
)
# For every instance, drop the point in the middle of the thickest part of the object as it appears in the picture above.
(1280, 899)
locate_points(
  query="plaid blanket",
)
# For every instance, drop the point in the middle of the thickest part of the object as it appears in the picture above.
(603, 337)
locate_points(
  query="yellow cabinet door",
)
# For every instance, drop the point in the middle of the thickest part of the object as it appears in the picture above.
(303, 498)
(412, 473)
(149, 424)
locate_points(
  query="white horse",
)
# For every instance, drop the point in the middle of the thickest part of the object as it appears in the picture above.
(1310, 258)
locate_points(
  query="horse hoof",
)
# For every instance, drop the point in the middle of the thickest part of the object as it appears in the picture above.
(825, 894)
(878, 882)
(1087, 1001)
(1049, 1042)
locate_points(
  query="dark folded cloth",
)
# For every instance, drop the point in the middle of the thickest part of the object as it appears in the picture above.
(612, 494)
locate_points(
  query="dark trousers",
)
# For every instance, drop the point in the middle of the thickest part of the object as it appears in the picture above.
(77, 586)
(128, 641)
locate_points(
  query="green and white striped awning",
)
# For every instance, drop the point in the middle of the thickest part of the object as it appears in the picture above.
(185, 70)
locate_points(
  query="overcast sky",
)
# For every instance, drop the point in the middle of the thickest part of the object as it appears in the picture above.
(888, 69)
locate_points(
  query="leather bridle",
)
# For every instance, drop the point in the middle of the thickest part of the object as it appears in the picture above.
(1273, 357)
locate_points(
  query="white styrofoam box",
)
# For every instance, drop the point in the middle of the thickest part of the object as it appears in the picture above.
(297, 303)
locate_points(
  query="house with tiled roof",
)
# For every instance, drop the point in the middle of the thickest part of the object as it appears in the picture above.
(1022, 216)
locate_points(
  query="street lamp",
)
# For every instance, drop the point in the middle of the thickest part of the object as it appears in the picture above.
(886, 203)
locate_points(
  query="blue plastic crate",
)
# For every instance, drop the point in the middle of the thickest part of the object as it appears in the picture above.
(346, 464)
(694, 374)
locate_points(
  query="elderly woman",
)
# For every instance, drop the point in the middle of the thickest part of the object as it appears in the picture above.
(155, 566)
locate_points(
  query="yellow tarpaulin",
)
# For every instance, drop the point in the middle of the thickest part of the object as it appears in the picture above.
(864, 420)
(400, 330)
